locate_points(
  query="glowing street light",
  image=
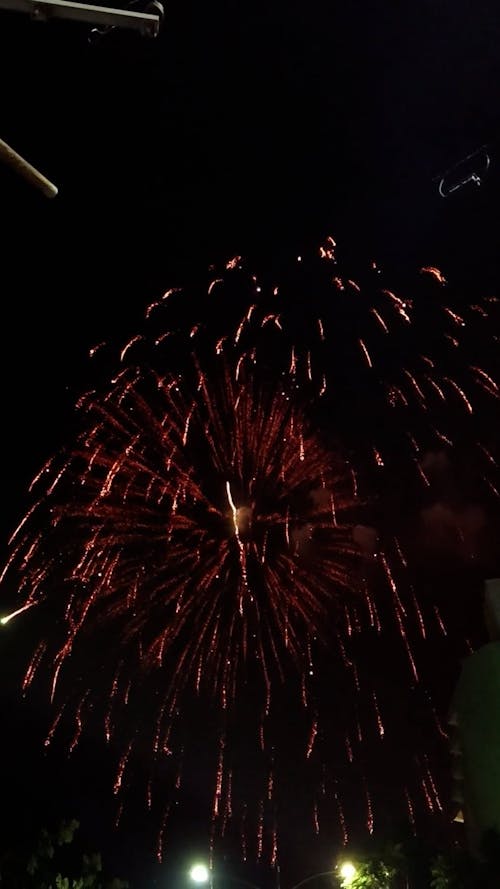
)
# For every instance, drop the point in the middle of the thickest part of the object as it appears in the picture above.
(199, 873)
(347, 873)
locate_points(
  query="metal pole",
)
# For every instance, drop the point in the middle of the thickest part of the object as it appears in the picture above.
(26, 170)
(323, 873)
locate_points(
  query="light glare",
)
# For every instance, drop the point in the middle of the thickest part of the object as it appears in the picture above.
(199, 873)
(348, 873)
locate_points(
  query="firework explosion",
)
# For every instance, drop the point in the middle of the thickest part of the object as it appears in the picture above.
(404, 379)
(399, 374)
(203, 527)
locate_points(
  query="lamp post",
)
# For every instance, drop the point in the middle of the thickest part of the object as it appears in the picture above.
(323, 873)
(346, 870)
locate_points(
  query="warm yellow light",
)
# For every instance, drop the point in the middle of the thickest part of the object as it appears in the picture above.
(347, 872)
(8, 617)
(199, 873)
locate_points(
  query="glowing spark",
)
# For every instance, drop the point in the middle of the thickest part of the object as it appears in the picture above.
(366, 353)
(369, 812)
(486, 378)
(8, 617)
(419, 615)
(343, 824)
(312, 738)
(316, 818)
(121, 768)
(131, 342)
(95, 349)
(440, 621)
(457, 319)
(380, 724)
(399, 304)
(411, 814)
(214, 283)
(348, 749)
(434, 273)
(488, 455)
(327, 251)
(380, 320)
(459, 392)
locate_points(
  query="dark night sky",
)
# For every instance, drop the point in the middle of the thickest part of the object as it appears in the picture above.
(249, 128)
(237, 130)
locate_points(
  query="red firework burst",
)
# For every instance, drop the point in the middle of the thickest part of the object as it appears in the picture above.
(402, 369)
(406, 376)
(196, 542)
(195, 539)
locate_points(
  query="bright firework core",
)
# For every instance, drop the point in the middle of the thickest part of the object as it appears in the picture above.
(143, 506)
(241, 516)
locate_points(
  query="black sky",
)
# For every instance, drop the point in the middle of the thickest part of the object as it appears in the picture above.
(240, 129)
(250, 128)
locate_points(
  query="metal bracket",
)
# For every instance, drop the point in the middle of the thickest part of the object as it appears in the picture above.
(101, 16)
(471, 169)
